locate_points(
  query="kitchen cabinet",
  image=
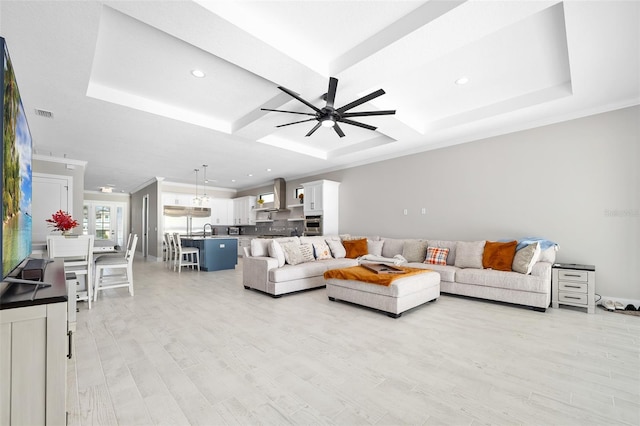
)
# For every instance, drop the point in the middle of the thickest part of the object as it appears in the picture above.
(244, 210)
(33, 352)
(221, 211)
(242, 243)
(321, 198)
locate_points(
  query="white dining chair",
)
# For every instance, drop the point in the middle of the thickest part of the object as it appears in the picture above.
(185, 256)
(77, 254)
(169, 251)
(115, 272)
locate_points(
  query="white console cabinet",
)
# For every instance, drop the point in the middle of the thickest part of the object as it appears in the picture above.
(573, 285)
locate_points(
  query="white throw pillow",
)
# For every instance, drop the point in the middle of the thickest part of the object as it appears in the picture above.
(276, 252)
(322, 250)
(307, 253)
(337, 249)
(375, 247)
(525, 258)
(469, 254)
(292, 253)
(260, 247)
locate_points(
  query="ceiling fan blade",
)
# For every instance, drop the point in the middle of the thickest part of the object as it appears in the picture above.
(360, 101)
(367, 113)
(290, 112)
(316, 127)
(296, 122)
(290, 93)
(338, 130)
(355, 123)
(331, 93)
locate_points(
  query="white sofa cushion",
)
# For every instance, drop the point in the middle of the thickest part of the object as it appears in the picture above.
(276, 252)
(469, 254)
(502, 279)
(414, 250)
(260, 247)
(337, 249)
(447, 273)
(525, 258)
(308, 270)
(322, 250)
(391, 247)
(375, 247)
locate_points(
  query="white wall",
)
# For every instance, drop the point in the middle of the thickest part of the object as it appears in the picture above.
(575, 183)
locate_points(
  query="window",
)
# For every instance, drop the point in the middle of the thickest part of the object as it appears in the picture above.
(267, 197)
(299, 191)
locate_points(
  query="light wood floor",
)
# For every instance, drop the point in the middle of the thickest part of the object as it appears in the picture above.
(197, 348)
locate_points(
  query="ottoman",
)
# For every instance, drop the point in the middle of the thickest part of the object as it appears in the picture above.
(401, 295)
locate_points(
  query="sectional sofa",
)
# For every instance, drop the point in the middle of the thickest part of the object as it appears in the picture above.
(467, 268)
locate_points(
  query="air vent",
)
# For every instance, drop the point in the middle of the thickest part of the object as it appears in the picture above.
(43, 113)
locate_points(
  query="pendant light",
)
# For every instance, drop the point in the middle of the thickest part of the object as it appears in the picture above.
(205, 199)
(197, 200)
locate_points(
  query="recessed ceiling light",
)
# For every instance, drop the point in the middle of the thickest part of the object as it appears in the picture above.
(233, 180)
(462, 80)
(198, 73)
(268, 170)
(250, 175)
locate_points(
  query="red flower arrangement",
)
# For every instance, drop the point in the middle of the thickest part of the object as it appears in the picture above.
(62, 221)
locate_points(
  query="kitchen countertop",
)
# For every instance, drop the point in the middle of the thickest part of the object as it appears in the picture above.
(208, 237)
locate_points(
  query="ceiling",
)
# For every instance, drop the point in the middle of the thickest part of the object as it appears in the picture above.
(117, 78)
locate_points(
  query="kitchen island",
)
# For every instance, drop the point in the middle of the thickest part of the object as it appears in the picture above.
(216, 252)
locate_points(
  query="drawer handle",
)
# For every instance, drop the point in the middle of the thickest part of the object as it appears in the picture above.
(572, 286)
(569, 297)
(572, 275)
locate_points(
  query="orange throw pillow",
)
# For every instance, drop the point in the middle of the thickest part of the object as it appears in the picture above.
(355, 248)
(499, 256)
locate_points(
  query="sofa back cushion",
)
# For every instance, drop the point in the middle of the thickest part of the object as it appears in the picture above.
(275, 251)
(374, 247)
(414, 251)
(321, 250)
(260, 247)
(469, 254)
(499, 256)
(391, 247)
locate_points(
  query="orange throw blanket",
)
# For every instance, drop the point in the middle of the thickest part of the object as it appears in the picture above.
(360, 273)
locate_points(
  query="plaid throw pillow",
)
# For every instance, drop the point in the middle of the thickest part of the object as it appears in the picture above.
(437, 256)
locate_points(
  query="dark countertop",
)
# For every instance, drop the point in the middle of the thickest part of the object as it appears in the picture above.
(14, 295)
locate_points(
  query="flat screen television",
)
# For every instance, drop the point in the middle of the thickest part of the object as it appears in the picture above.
(16, 173)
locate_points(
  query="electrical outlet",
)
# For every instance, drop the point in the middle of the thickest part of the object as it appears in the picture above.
(424, 210)
(406, 212)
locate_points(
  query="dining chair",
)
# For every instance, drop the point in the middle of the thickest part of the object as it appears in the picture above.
(115, 272)
(77, 254)
(168, 255)
(185, 256)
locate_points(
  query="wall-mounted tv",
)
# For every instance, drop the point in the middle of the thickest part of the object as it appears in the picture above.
(16, 172)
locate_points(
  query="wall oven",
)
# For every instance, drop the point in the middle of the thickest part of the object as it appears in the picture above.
(312, 225)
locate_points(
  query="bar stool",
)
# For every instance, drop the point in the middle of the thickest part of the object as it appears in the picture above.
(185, 256)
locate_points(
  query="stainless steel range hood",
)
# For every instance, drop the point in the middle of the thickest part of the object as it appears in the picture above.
(279, 195)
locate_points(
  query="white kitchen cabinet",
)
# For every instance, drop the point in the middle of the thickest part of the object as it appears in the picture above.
(321, 198)
(221, 211)
(244, 210)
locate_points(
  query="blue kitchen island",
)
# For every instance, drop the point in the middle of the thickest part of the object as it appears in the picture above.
(216, 253)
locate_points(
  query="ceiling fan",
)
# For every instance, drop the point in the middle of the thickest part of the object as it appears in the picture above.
(330, 116)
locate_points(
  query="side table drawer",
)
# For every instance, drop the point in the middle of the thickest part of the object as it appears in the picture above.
(573, 275)
(578, 298)
(573, 287)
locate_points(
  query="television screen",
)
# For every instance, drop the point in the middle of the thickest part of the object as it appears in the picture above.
(16, 172)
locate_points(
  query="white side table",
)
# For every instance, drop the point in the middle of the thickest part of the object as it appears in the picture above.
(573, 285)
